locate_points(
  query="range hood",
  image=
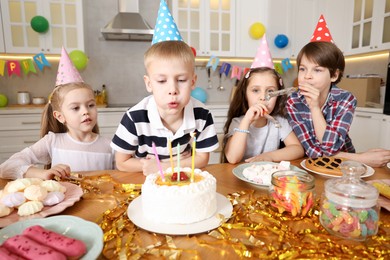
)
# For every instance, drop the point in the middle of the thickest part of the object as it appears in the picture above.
(128, 24)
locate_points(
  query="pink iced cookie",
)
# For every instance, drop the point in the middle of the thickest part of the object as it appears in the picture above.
(30, 249)
(68, 246)
(5, 254)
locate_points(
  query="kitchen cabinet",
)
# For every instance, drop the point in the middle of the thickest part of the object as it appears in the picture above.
(247, 13)
(208, 26)
(334, 12)
(2, 46)
(304, 18)
(369, 26)
(18, 131)
(365, 131)
(219, 113)
(65, 19)
(385, 134)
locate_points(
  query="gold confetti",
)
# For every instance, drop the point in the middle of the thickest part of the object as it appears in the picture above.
(255, 230)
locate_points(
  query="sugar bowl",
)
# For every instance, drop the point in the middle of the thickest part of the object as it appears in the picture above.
(349, 206)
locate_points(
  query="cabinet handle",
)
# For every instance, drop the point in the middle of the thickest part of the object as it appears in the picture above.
(31, 123)
(363, 116)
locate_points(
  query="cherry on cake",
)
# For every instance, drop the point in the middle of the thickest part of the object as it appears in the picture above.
(183, 202)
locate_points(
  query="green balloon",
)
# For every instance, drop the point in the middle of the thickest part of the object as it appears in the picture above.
(79, 59)
(39, 24)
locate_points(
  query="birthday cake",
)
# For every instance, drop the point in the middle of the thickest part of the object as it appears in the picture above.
(183, 202)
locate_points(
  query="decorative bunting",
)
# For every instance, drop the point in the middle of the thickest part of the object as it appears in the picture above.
(2, 67)
(225, 69)
(41, 61)
(13, 67)
(213, 62)
(286, 64)
(236, 72)
(278, 68)
(27, 66)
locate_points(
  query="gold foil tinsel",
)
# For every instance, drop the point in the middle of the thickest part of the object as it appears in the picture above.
(255, 230)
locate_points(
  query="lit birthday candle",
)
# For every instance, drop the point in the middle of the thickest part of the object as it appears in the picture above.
(193, 155)
(178, 162)
(158, 161)
(170, 152)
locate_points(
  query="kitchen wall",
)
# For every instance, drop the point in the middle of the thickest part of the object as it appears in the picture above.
(119, 64)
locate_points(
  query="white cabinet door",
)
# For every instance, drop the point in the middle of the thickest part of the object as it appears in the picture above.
(304, 20)
(247, 13)
(385, 135)
(2, 45)
(369, 26)
(65, 19)
(365, 131)
(334, 12)
(208, 26)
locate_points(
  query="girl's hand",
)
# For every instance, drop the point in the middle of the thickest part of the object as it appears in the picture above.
(311, 94)
(61, 171)
(260, 158)
(255, 112)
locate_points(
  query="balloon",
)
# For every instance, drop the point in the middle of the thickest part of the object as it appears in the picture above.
(200, 94)
(193, 51)
(257, 30)
(281, 41)
(3, 100)
(39, 24)
(79, 59)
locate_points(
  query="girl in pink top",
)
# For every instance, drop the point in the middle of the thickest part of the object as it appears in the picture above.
(70, 139)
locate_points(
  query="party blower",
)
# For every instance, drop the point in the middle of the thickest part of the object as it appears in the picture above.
(285, 91)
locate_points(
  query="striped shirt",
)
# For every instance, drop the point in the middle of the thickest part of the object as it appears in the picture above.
(338, 112)
(141, 125)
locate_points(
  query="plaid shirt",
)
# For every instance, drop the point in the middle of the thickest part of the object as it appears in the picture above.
(338, 112)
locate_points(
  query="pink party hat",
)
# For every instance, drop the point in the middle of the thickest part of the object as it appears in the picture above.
(321, 33)
(263, 56)
(165, 29)
(67, 73)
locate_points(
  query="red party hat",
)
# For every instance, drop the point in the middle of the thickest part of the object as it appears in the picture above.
(321, 33)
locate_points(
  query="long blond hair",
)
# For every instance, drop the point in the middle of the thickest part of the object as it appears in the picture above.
(48, 122)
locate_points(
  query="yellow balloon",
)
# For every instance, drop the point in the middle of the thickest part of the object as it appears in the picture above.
(257, 30)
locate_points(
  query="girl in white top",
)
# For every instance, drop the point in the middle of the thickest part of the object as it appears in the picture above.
(70, 138)
(249, 134)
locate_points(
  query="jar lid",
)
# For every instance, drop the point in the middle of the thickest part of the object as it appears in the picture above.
(350, 190)
(291, 177)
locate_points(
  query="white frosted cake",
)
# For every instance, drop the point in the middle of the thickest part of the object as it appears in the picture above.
(181, 202)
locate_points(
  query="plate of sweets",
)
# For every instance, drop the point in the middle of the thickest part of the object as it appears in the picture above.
(260, 173)
(57, 237)
(29, 198)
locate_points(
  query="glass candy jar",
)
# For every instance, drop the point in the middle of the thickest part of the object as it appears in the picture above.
(349, 207)
(292, 192)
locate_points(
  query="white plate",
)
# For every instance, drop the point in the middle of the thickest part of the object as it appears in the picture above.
(370, 171)
(88, 232)
(73, 194)
(240, 168)
(137, 216)
(388, 165)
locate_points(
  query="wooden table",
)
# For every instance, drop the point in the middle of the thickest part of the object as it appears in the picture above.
(227, 183)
